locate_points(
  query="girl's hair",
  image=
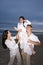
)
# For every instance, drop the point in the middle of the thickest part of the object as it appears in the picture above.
(22, 18)
(4, 37)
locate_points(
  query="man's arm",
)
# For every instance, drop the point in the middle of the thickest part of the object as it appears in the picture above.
(33, 42)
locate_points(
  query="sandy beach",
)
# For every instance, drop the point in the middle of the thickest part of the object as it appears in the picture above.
(36, 59)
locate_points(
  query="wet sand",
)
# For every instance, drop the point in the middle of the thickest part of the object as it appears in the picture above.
(36, 59)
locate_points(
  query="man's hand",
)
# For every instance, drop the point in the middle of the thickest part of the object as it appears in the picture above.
(30, 41)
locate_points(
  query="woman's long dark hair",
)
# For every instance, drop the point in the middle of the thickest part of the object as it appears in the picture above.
(4, 37)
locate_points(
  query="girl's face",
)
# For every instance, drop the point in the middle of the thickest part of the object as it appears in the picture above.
(21, 20)
(9, 34)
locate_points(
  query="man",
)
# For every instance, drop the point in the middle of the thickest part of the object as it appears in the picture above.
(34, 37)
(29, 45)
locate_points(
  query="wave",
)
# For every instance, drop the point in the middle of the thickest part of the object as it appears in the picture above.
(11, 29)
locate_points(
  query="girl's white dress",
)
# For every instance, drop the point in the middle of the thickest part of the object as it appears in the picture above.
(22, 34)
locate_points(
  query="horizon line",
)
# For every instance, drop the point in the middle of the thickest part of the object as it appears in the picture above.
(34, 30)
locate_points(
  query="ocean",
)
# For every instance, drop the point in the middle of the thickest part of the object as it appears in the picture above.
(10, 26)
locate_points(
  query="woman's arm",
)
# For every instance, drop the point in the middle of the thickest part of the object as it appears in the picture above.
(16, 28)
(15, 37)
(19, 30)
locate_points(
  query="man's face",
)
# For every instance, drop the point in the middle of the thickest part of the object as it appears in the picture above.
(28, 29)
(21, 20)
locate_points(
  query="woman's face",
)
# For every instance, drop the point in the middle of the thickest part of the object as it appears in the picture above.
(21, 20)
(9, 34)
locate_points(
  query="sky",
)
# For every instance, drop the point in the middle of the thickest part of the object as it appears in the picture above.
(10, 10)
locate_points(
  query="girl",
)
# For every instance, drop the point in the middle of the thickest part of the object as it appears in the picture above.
(9, 41)
(21, 30)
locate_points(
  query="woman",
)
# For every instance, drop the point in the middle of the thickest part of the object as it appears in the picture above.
(9, 41)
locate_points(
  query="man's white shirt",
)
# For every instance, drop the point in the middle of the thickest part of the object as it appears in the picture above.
(27, 48)
(33, 38)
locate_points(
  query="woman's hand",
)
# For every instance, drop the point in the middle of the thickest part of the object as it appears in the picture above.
(16, 28)
(19, 30)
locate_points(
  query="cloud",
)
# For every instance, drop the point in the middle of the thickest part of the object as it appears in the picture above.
(37, 23)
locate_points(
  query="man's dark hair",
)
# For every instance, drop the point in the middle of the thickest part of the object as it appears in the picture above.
(22, 17)
(29, 25)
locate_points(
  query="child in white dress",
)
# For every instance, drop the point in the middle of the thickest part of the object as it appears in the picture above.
(21, 30)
